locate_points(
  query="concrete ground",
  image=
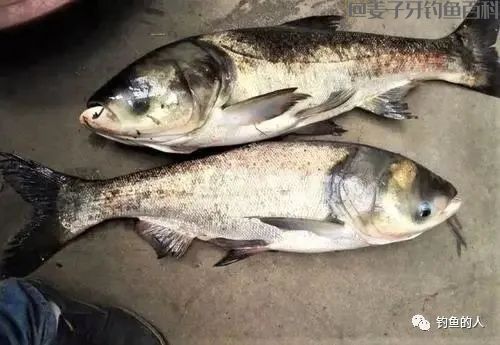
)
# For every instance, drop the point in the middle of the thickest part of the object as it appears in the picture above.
(359, 297)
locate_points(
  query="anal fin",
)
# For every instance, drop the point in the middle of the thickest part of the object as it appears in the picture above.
(390, 104)
(261, 108)
(165, 236)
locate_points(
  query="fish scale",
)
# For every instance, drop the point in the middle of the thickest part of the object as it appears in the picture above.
(269, 180)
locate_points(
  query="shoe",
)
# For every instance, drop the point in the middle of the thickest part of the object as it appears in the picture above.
(85, 324)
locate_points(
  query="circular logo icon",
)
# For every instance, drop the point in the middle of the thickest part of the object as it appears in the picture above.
(415, 320)
(420, 322)
(424, 325)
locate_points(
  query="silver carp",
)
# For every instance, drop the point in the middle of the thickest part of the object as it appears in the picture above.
(306, 197)
(248, 85)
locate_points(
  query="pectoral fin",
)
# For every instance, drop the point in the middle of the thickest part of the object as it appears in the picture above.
(238, 249)
(262, 108)
(390, 104)
(166, 236)
(296, 224)
(313, 236)
(330, 23)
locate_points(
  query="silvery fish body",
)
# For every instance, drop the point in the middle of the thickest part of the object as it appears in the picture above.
(253, 84)
(306, 197)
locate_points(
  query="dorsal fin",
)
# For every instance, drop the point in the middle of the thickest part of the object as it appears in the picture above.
(330, 23)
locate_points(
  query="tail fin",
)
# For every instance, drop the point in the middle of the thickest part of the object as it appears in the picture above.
(478, 35)
(41, 238)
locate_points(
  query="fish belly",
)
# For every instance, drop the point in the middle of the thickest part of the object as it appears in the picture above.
(304, 241)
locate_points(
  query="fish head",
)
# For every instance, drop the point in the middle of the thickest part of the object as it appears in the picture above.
(392, 198)
(148, 99)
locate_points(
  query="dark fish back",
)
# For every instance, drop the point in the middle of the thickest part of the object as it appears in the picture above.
(297, 45)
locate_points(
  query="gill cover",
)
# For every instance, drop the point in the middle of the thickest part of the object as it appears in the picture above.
(168, 92)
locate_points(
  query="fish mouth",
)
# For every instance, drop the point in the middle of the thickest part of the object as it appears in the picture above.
(89, 118)
(453, 206)
(102, 121)
(99, 130)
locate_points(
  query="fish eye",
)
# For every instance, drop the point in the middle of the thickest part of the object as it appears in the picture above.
(139, 106)
(424, 210)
